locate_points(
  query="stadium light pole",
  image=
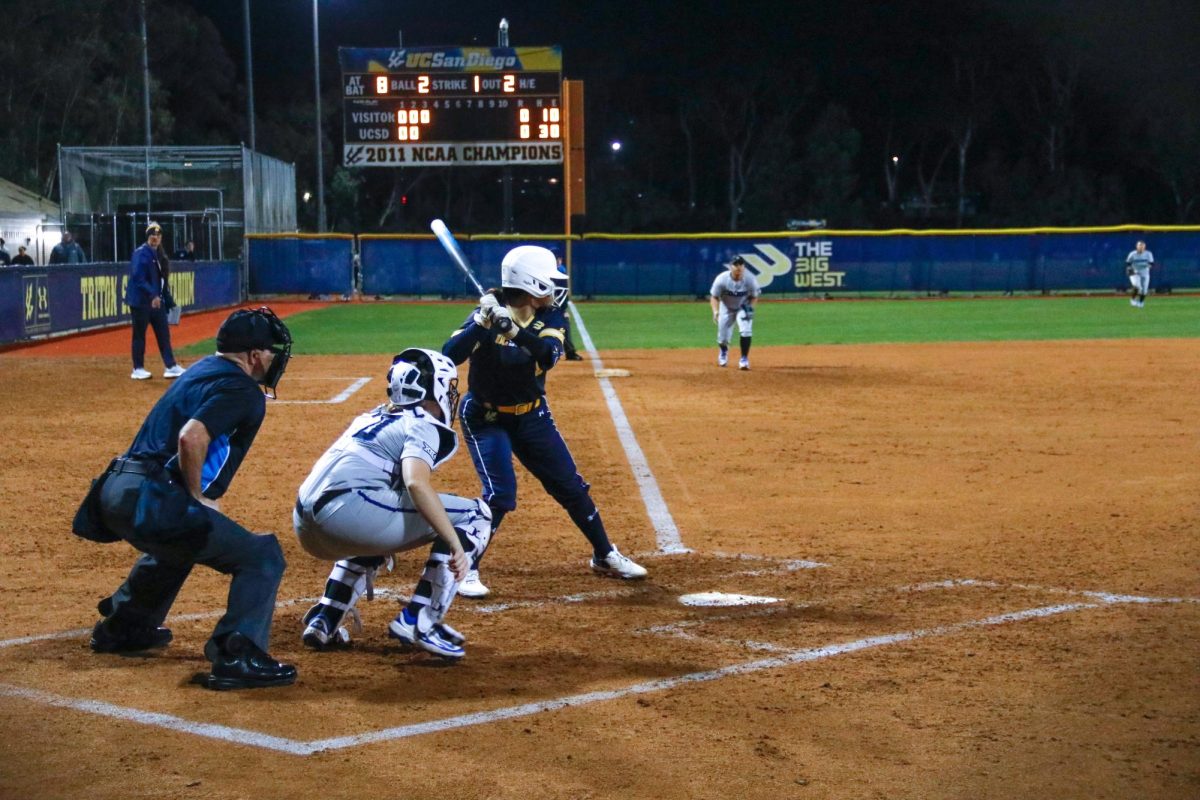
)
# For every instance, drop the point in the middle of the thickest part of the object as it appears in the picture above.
(249, 72)
(320, 156)
(146, 105)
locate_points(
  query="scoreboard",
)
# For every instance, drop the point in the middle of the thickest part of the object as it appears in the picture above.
(452, 106)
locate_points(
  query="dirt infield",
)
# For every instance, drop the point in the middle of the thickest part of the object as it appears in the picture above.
(985, 555)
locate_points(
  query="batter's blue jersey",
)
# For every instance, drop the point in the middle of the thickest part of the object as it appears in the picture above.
(504, 372)
(229, 403)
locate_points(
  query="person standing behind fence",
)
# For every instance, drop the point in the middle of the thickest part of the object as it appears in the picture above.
(67, 251)
(1137, 267)
(5, 258)
(22, 258)
(145, 300)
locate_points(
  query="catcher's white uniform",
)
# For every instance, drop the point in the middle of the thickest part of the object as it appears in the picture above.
(731, 295)
(353, 502)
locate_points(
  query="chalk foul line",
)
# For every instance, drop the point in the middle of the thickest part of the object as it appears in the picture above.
(665, 531)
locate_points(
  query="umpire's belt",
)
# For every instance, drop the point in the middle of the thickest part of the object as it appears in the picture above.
(325, 499)
(519, 408)
(134, 467)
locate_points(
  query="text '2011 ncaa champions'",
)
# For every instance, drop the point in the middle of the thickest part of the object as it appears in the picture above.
(452, 106)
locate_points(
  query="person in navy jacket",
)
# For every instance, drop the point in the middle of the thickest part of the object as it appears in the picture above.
(144, 296)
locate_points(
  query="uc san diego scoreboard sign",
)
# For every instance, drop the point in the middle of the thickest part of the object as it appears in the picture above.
(451, 106)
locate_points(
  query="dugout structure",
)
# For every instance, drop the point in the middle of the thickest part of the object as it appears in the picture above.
(208, 195)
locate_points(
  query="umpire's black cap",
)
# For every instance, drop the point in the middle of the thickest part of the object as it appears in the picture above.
(245, 330)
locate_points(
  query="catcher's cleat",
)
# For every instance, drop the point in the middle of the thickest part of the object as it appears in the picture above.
(321, 632)
(109, 636)
(441, 640)
(615, 565)
(472, 587)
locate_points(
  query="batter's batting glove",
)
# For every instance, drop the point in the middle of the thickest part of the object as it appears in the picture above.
(503, 320)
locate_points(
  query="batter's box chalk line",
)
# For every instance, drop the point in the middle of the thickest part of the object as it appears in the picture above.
(779, 657)
(340, 397)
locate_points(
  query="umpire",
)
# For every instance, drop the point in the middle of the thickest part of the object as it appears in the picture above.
(160, 496)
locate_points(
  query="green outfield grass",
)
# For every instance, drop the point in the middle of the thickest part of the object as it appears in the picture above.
(387, 327)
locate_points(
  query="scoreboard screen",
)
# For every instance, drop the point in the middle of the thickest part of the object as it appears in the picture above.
(452, 106)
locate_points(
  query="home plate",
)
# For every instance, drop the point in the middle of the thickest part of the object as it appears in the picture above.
(723, 599)
(612, 373)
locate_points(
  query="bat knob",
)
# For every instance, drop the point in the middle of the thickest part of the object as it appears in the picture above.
(503, 325)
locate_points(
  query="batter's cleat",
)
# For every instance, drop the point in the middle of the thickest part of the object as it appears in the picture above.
(743, 363)
(722, 358)
(615, 565)
(109, 636)
(174, 372)
(472, 587)
(140, 374)
(241, 664)
(321, 634)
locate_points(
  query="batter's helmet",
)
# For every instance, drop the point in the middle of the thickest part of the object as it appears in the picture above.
(531, 269)
(417, 375)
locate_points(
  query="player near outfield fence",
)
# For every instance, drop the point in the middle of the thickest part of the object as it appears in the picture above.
(1137, 267)
(370, 496)
(732, 296)
(512, 340)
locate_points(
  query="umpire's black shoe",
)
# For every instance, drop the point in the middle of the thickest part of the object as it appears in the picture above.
(241, 664)
(111, 636)
(573, 356)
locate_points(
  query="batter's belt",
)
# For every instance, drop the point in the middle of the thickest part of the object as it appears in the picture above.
(519, 408)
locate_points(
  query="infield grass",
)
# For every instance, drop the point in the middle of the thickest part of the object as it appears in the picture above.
(390, 327)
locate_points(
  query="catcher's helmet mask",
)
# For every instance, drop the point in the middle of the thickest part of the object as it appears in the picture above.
(417, 375)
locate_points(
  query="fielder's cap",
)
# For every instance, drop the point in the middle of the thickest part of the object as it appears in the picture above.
(154, 229)
(737, 261)
(245, 330)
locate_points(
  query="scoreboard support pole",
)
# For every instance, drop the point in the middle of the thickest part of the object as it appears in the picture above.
(574, 186)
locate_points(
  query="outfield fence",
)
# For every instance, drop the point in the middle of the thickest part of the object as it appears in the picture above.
(795, 265)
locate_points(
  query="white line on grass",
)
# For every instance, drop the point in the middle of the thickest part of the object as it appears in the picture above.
(665, 530)
(341, 397)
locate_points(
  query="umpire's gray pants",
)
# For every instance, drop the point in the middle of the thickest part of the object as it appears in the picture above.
(255, 563)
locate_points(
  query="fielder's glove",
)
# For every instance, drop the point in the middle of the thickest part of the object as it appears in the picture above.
(747, 311)
(1129, 270)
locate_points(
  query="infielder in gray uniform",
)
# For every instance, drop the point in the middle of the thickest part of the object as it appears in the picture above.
(733, 295)
(1137, 267)
(370, 496)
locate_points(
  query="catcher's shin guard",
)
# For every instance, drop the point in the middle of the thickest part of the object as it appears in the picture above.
(348, 581)
(438, 586)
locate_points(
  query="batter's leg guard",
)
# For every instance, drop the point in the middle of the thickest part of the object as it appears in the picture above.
(349, 580)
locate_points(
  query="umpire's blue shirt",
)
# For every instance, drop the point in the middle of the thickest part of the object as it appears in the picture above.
(218, 393)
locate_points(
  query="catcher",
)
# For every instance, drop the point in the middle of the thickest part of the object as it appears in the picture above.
(733, 294)
(370, 496)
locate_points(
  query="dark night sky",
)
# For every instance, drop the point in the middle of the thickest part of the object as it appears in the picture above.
(1134, 46)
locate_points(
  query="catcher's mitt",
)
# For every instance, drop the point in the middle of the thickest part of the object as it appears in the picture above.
(1129, 269)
